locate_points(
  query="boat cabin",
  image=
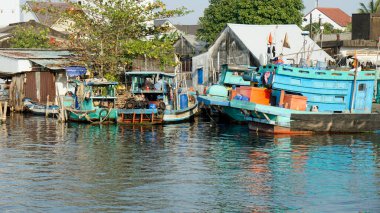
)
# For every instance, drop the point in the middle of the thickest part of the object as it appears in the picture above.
(323, 90)
(233, 75)
(149, 89)
(90, 95)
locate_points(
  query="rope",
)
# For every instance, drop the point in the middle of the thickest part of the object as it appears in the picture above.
(109, 112)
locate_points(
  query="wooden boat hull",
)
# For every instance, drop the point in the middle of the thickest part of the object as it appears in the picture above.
(38, 109)
(140, 116)
(278, 120)
(174, 116)
(100, 115)
(154, 116)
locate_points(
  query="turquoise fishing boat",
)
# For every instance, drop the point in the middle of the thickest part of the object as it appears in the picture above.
(92, 102)
(154, 98)
(308, 100)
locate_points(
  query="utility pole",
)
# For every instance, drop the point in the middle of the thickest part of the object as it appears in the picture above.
(311, 25)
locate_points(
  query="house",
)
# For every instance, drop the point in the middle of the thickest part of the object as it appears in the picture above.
(247, 45)
(57, 39)
(334, 16)
(35, 73)
(48, 14)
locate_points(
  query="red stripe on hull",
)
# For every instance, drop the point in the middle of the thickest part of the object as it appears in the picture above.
(272, 129)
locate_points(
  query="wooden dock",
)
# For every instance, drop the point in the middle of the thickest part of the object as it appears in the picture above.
(3, 111)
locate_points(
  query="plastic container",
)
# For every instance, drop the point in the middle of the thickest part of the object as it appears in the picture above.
(152, 106)
(295, 102)
(184, 102)
(256, 95)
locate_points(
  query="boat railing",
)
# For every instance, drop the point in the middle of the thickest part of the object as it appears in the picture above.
(325, 73)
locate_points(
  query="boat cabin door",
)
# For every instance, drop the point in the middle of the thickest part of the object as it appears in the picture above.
(361, 97)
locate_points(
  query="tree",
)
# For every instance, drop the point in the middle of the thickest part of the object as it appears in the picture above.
(221, 12)
(30, 37)
(108, 35)
(328, 28)
(373, 7)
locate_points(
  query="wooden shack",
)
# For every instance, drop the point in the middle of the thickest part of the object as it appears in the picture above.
(35, 74)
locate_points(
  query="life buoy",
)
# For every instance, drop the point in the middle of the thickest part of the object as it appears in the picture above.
(162, 105)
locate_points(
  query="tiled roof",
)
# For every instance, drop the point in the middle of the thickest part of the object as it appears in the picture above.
(337, 15)
(48, 13)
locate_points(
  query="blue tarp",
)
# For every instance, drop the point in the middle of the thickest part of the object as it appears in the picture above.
(74, 71)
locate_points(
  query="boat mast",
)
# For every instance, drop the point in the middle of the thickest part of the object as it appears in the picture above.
(356, 62)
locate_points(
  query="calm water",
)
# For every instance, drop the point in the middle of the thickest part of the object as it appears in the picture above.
(45, 166)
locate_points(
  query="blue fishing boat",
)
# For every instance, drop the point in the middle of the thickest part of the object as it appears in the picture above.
(307, 100)
(154, 98)
(92, 102)
(40, 109)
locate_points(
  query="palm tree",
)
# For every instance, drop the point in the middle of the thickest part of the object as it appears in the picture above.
(373, 7)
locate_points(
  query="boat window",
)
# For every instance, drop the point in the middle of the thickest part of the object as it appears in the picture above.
(339, 98)
(336, 74)
(304, 71)
(287, 69)
(362, 87)
(320, 73)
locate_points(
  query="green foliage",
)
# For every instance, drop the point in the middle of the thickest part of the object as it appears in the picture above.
(328, 28)
(110, 34)
(30, 37)
(372, 7)
(221, 12)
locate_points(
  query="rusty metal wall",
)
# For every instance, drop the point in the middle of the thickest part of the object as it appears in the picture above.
(375, 27)
(30, 88)
(47, 86)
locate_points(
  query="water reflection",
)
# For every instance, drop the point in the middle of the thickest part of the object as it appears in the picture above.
(193, 167)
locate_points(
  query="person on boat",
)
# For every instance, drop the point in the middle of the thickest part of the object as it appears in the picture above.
(279, 59)
(148, 84)
(159, 85)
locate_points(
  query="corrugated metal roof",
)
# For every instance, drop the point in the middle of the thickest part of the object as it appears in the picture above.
(53, 64)
(149, 73)
(192, 39)
(35, 54)
(255, 38)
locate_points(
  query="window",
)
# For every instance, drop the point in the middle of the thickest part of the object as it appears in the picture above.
(362, 87)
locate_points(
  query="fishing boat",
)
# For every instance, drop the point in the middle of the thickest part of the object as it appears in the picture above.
(155, 98)
(92, 102)
(298, 100)
(40, 109)
(217, 97)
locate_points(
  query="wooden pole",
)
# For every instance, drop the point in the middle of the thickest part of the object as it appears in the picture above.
(47, 107)
(1, 111)
(354, 87)
(5, 111)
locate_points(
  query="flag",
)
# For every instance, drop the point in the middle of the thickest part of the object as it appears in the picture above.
(286, 41)
(270, 39)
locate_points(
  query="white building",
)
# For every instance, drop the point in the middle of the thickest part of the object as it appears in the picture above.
(335, 16)
(10, 12)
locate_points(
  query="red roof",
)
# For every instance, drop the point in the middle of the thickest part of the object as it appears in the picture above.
(337, 15)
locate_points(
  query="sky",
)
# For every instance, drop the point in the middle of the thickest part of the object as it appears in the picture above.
(348, 6)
